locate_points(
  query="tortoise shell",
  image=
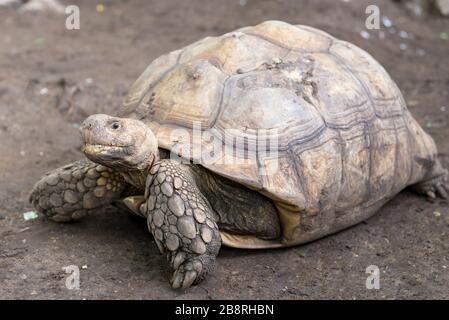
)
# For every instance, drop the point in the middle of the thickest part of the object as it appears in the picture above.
(337, 131)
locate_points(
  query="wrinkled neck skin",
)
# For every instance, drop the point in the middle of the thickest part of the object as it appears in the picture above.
(138, 177)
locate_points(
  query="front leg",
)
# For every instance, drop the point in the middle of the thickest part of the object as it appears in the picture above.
(70, 192)
(182, 222)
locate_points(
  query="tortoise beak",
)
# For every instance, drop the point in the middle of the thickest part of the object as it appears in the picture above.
(85, 135)
(87, 127)
(94, 131)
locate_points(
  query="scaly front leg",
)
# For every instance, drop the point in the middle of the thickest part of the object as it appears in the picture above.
(70, 192)
(182, 223)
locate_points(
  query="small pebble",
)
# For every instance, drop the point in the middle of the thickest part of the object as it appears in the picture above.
(364, 34)
(24, 229)
(420, 52)
(100, 8)
(30, 215)
(386, 22)
(437, 214)
(403, 34)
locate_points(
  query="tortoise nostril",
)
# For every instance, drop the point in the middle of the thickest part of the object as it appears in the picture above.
(87, 125)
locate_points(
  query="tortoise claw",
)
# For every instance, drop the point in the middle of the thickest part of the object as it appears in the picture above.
(437, 187)
(185, 275)
(431, 195)
(435, 190)
(442, 191)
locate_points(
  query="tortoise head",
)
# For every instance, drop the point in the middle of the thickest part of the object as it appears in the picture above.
(119, 143)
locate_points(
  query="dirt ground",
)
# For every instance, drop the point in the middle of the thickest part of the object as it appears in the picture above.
(52, 78)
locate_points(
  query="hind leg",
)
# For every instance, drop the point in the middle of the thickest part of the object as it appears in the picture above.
(436, 183)
(71, 192)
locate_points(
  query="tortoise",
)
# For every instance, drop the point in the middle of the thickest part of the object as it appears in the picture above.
(268, 136)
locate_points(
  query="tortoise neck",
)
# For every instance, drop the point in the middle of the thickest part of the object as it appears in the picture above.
(138, 177)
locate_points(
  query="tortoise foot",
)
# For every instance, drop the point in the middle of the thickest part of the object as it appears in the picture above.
(437, 187)
(191, 271)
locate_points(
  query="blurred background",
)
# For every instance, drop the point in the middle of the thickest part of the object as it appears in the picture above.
(51, 78)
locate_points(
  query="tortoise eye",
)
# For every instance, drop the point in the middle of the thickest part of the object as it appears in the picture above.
(115, 125)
